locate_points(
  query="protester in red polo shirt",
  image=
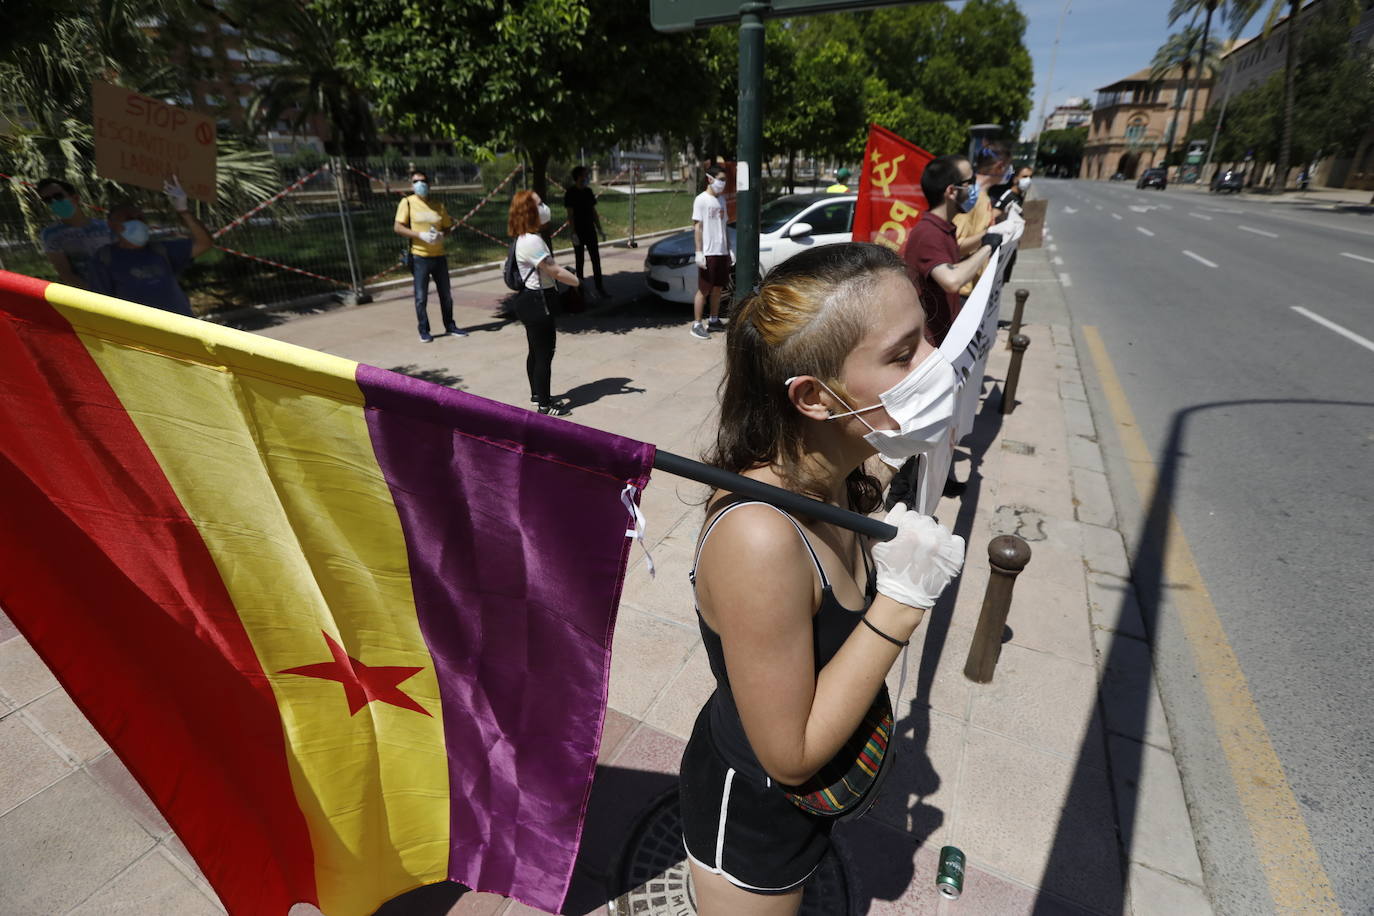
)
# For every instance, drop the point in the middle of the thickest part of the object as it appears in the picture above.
(932, 254)
(934, 265)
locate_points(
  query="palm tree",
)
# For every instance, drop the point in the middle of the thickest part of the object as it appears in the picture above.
(1180, 10)
(47, 67)
(293, 53)
(1240, 14)
(1177, 53)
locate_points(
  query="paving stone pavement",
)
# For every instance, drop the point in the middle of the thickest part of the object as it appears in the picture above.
(1027, 775)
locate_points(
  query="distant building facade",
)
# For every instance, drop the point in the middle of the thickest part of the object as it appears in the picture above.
(1073, 113)
(1250, 63)
(1131, 120)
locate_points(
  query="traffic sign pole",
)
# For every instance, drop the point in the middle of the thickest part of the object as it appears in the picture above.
(750, 147)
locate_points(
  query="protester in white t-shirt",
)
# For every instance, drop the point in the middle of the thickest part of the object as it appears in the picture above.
(536, 304)
(713, 252)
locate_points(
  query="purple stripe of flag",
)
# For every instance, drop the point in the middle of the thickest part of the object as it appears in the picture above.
(516, 539)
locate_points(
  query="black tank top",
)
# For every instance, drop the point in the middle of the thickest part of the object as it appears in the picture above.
(830, 627)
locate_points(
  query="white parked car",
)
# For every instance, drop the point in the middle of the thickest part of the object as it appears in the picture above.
(786, 226)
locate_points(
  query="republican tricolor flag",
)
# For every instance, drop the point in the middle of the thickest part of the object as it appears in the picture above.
(350, 630)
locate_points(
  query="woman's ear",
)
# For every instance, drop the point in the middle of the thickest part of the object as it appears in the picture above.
(808, 397)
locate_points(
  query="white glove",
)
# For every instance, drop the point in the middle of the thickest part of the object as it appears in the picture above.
(1009, 229)
(430, 235)
(701, 260)
(916, 565)
(172, 188)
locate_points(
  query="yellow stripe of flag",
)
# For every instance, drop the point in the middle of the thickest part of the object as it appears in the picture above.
(267, 448)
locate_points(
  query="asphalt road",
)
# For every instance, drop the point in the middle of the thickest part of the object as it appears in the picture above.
(1245, 330)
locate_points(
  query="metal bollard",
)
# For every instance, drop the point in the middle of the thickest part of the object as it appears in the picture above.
(1008, 555)
(1021, 296)
(1019, 343)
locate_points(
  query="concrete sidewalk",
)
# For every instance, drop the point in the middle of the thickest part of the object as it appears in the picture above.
(1064, 797)
(1322, 198)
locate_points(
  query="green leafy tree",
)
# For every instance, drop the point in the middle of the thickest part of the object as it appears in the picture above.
(939, 70)
(1326, 122)
(536, 75)
(815, 94)
(1063, 149)
(1241, 12)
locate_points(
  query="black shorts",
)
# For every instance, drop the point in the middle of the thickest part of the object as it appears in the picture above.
(742, 827)
(716, 273)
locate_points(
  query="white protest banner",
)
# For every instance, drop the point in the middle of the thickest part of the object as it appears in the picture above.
(141, 141)
(966, 348)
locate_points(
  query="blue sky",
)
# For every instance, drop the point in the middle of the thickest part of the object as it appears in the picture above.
(1103, 41)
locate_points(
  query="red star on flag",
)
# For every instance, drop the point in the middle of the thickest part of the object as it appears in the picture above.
(362, 683)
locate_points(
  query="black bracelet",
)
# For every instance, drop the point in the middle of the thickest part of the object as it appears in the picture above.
(896, 642)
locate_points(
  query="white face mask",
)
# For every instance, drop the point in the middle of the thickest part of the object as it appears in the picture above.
(545, 214)
(922, 404)
(718, 185)
(1024, 184)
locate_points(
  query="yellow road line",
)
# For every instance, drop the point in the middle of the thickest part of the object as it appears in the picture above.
(1297, 881)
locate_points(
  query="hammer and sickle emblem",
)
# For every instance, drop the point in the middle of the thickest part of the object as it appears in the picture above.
(884, 173)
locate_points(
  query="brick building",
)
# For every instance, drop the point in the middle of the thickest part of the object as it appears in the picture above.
(1131, 121)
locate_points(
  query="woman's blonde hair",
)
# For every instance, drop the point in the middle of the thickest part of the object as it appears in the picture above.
(804, 319)
(524, 214)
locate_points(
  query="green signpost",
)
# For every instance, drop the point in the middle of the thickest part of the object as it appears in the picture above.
(682, 15)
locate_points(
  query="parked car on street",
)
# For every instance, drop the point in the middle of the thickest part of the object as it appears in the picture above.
(1153, 178)
(1228, 180)
(786, 226)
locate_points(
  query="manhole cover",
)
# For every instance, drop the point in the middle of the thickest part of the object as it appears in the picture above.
(654, 866)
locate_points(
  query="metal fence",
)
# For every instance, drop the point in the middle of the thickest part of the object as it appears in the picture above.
(330, 230)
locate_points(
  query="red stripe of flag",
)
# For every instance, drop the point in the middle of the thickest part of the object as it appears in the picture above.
(109, 580)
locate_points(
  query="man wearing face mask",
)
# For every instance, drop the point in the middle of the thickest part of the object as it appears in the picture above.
(136, 268)
(936, 266)
(70, 242)
(990, 168)
(713, 252)
(1010, 198)
(425, 222)
(933, 258)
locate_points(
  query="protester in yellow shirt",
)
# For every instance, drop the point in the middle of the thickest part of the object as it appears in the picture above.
(425, 222)
(989, 169)
(841, 185)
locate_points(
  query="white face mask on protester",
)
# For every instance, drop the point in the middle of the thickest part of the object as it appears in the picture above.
(1024, 184)
(922, 404)
(718, 185)
(545, 214)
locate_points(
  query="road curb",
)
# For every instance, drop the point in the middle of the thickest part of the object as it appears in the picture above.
(1163, 871)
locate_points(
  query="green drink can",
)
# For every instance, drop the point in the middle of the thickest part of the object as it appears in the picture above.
(950, 880)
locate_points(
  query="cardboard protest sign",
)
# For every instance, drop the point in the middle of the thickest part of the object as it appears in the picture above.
(141, 141)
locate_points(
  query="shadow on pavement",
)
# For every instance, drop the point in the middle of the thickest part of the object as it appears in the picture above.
(643, 312)
(1129, 709)
(437, 376)
(591, 392)
(259, 320)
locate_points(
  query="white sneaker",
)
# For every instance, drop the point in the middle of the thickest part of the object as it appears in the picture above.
(699, 331)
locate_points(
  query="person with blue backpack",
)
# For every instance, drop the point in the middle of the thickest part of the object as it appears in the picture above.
(137, 268)
(532, 271)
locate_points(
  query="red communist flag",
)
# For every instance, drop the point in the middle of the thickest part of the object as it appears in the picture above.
(890, 198)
